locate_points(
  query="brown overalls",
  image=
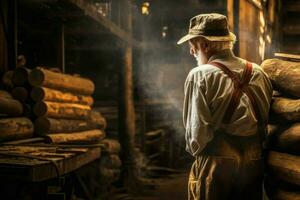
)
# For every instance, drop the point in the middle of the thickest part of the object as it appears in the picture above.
(230, 167)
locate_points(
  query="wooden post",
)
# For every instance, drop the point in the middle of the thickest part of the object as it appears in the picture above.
(126, 104)
(61, 48)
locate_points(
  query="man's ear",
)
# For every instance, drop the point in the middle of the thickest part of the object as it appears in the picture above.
(203, 46)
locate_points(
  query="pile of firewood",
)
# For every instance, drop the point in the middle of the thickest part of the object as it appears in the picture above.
(14, 122)
(110, 163)
(62, 107)
(284, 130)
(98, 177)
(58, 104)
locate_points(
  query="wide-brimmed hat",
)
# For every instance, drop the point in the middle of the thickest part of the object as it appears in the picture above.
(213, 27)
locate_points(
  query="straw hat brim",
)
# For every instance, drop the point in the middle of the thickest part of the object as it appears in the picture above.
(230, 37)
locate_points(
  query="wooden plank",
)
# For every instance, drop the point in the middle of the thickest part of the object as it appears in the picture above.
(26, 169)
(47, 171)
(24, 141)
(91, 11)
(250, 35)
(288, 56)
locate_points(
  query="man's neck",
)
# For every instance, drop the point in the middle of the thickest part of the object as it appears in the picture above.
(225, 53)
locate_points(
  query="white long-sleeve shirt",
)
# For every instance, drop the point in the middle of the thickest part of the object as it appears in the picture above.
(208, 91)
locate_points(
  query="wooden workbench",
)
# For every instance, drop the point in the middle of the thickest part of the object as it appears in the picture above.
(39, 162)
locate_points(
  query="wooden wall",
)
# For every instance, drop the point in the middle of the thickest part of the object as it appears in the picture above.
(251, 28)
(254, 24)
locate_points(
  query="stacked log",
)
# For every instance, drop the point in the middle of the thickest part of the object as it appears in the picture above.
(100, 175)
(16, 82)
(110, 162)
(62, 108)
(13, 124)
(284, 129)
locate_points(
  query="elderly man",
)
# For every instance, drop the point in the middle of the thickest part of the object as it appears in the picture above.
(225, 112)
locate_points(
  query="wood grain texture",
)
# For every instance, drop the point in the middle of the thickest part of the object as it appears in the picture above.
(287, 108)
(111, 146)
(44, 125)
(15, 128)
(84, 137)
(284, 166)
(61, 110)
(47, 94)
(41, 77)
(285, 75)
(289, 140)
(10, 107)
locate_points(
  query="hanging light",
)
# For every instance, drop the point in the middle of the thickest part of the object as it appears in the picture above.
(164, 31)
(145, 8)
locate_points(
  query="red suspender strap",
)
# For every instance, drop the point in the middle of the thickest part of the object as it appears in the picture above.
(240, 87)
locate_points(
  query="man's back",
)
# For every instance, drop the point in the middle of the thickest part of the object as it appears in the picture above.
(209, 89)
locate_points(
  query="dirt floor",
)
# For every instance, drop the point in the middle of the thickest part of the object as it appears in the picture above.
(171, 187)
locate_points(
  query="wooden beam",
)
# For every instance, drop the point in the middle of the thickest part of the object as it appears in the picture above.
(126, 105)
(91, 11)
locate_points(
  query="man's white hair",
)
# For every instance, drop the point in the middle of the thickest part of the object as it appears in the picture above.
(215, 46)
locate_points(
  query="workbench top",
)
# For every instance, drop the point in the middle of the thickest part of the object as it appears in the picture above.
(40, 162)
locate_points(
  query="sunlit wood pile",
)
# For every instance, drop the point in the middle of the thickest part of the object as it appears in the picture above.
(283, 159)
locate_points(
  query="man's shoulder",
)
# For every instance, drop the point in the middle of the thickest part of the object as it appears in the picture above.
(199, 72)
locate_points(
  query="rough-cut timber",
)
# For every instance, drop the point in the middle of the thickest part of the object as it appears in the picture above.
(285, 75)
(61, 110)
(84, 137)
(98, 119)
(20, 76)
(10, 107)
(288, 108)
(111, 146)
(45, 78)
(285, 167)
(7, 79)
(289, 139)
(5, 94)
(15, 128)
(20, 93)
(47, 94)
(110, 161)
(44, 125)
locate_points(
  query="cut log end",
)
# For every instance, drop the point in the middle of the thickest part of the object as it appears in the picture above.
(36, 77)
(20, 93)
(40, 109)
(20, 76)
(37, 94)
